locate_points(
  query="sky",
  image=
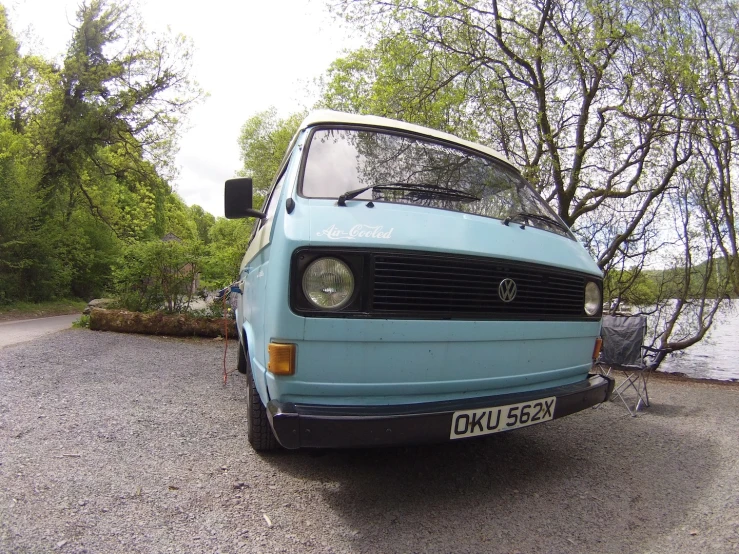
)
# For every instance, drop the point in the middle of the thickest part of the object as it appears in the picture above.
(249, 55)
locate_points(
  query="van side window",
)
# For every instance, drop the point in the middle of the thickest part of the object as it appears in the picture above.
(274, 198)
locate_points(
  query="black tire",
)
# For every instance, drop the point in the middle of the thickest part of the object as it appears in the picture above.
(241, 364)
(258, 430)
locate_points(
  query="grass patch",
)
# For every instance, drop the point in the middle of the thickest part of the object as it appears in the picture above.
(82, 323)
(29, 310)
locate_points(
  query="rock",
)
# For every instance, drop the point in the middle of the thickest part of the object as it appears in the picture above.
(98, 303)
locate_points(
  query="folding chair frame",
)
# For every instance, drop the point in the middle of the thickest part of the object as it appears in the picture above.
(635, 378)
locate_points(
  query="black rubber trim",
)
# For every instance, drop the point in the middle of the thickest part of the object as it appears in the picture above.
(322, 426)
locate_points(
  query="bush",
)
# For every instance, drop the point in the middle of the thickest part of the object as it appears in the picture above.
(82, 323)
(158, 275)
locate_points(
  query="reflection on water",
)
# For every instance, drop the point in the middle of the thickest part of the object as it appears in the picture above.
(715, 357)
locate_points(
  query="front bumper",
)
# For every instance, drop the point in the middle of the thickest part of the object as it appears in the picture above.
(322, 426)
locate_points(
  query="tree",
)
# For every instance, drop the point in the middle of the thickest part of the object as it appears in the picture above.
(204, 221)
(263, 142)
(21, 247)
(227, 242)
(717, 39)
(621, 113)
(386, 80)
(111, 120)
(86, 152)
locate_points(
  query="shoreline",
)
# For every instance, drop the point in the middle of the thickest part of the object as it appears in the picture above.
(682, 378)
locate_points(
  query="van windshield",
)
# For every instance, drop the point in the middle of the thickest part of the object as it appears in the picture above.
(408, 169)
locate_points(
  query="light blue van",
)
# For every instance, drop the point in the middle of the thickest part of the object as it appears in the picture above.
(405, 286)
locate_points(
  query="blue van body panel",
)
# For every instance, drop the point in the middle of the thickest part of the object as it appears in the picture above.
(434, 230)
(408, 361)
(256, 272)
(418, 361)
(254, 282)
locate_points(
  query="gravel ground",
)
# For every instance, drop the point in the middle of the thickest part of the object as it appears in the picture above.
(122, 443)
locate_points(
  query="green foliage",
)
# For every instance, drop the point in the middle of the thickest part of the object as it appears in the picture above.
(85, 149)
(648, 288)
(178, 219)
(398, 78)
(228, 239)
(632, 286)
(158, 275)
(107, 125)
(82, 323)
(204, 221)
(263, 142)
(25, 310)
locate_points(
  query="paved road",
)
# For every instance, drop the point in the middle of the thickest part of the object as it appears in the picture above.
(13, 332)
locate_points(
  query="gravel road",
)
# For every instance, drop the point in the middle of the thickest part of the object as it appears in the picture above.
(121, 443)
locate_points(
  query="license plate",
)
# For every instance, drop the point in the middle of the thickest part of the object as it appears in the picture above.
(485, 421)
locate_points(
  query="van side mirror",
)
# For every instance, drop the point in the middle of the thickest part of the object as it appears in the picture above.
(238, 199)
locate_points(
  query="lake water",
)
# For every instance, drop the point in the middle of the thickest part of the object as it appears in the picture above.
(715, 357)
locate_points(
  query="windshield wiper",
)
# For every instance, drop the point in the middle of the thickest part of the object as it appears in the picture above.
(536, 217)
(430, 190)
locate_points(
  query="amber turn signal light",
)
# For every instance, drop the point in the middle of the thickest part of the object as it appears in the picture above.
(281, 358)
(598, 346)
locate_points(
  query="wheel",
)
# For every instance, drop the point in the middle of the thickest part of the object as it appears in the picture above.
(258, 430)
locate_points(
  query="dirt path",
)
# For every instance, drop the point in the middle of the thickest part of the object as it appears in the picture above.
(121, 443)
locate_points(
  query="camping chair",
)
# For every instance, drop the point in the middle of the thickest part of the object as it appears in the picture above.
(623, 351)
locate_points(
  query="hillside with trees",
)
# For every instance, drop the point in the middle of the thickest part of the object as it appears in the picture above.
(86, 161)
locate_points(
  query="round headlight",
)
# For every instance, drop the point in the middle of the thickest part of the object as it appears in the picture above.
(328, 283)
(592, 298)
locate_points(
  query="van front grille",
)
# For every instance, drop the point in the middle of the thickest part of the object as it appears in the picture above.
(427, 285)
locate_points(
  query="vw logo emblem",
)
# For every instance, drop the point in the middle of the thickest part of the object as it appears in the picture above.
(507, 290)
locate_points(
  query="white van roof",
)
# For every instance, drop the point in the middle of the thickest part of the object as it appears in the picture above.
(329, 116)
